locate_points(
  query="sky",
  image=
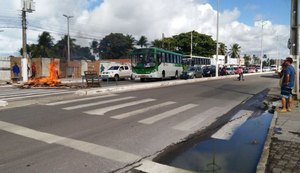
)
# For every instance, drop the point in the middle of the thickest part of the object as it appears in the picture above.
(240, 22)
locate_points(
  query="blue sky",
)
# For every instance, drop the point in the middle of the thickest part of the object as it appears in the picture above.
(277, 11)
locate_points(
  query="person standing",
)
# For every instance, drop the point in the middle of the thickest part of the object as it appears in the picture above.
(287, 85)
(16, 71)
(33, 70)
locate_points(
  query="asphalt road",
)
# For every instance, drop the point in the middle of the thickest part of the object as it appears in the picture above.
(107, 133)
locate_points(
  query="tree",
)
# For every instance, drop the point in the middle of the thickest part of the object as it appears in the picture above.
(222, 49)
(142, 42)
(157, 43)
(95, 47)
(45, 45)
(115, 45)
(235, 51)
(203, 45)
(247, 59)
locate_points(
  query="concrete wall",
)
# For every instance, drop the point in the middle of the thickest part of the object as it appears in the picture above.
(5, 69)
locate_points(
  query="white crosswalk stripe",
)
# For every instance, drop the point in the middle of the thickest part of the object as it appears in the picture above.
(196, 121)
(102, 111)
(167, 114)
(97, 103)
(140, 111)
(79, 100)
(227, 131)
(17, 94)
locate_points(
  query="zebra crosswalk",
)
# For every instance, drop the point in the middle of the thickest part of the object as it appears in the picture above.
(14, 94)
(194, 118)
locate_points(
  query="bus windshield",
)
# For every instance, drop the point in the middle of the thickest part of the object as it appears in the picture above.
(143, 60)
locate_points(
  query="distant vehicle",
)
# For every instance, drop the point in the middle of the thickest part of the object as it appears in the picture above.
(230, 70)
(195, 60)
(209, 71)
(117, 72)
(273, 67)
(251, 70)
(155, 63)
(266, 69)
(192, 72)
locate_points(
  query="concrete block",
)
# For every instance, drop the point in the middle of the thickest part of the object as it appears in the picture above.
(3, 103)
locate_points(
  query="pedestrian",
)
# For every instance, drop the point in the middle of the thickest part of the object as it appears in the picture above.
(287, 85)
(33, 70)
(16, 71)
(241, 73)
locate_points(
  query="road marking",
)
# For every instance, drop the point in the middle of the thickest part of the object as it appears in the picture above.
(97, 103)
(28, 94)
(102, 111)
(78, 100)
(227, 131)
(139, 111)
(39, 95)
(90, 148)
(149, 166)
(196, 121)
(167, 114)
(14, 92)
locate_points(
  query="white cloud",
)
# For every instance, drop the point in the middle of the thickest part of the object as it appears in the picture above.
(148, 17)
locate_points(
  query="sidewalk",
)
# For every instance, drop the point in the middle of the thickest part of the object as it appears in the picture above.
(284, 151)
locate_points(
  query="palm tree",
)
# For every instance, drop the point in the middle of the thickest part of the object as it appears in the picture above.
(45, 44)
(235, 51)
(222, 49)
(143, 41)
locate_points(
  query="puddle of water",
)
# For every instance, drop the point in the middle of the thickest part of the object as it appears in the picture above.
(239, 154)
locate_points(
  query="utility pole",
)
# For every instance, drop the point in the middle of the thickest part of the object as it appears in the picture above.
(68, 18)
(261, 44)
(217, 51)
(27, 6)
(294, 42)
(191, 44)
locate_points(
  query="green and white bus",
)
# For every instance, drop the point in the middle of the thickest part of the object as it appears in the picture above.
(156, 63)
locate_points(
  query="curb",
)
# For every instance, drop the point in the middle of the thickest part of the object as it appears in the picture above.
(3, 103)
(261, 166)
(135, 87)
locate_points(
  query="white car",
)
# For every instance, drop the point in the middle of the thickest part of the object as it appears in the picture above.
(117, 72)
(273, 67)
(266, 68)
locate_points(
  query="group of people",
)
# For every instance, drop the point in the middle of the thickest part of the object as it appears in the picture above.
(287, 83)
(16, 70)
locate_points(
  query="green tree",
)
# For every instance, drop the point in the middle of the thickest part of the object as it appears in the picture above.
(95, 47)
(45, 45)
(247, 59)
(222, 49)
(203, 45)
(115, 45)
(157, 43)
(142, 42)
(235, 51)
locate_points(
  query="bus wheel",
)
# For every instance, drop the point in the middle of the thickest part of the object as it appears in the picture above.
(163, 75)
(117, 78)
(176, 75)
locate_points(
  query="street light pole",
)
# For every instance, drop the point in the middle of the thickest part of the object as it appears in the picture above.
(68, 18)
(261, 44)
(217, 51)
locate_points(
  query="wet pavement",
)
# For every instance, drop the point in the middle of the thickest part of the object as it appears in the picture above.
(284, 148)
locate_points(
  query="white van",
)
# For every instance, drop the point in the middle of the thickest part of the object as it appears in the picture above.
(117, 72)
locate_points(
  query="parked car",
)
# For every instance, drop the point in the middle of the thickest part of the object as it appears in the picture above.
(266, 69)
(230, 70)
(117, 72)
(209, 71)
(192, 72)
(273, 67)
(251, 70)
